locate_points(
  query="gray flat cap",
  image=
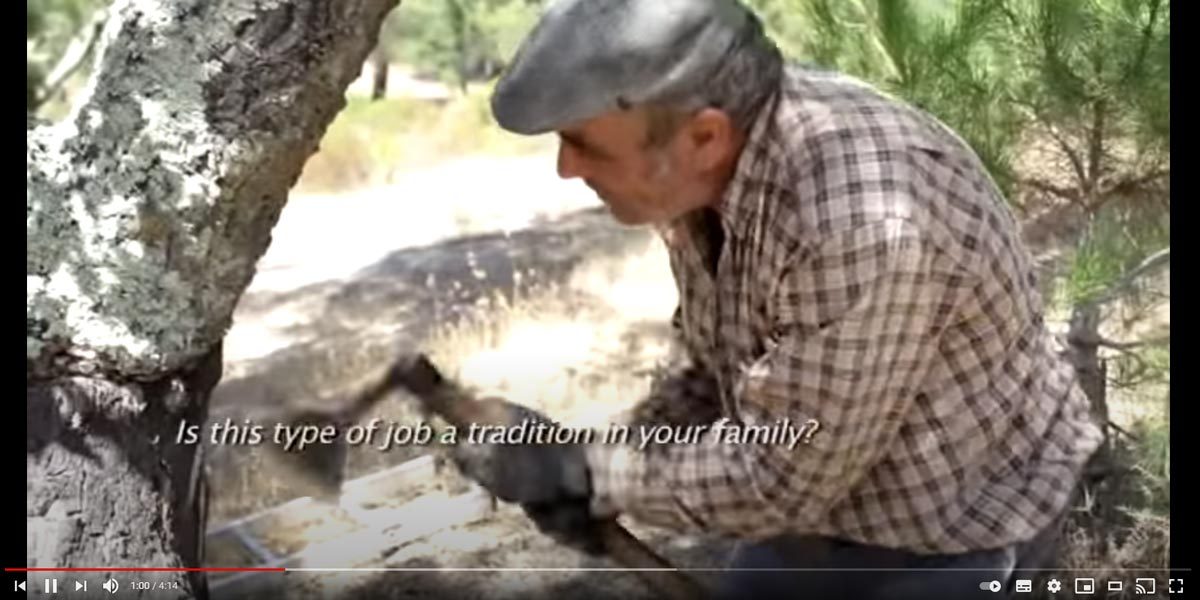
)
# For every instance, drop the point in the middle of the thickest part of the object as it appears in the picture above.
(587, 57)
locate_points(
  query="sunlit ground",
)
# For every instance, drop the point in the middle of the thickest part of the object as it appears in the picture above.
(330, 237)
(578, 352)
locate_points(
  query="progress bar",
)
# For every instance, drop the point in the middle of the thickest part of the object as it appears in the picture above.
(535, 569)
(140, 569)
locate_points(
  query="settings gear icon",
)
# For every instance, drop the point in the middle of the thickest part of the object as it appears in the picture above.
(1053, 586)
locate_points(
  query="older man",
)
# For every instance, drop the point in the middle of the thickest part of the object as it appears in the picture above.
(839, 256)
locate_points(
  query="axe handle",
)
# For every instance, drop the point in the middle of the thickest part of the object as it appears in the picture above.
(656, 571)
(445, 399)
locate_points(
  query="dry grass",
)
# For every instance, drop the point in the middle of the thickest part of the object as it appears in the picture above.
(1121, 528)
(579, 351)
(370, 142)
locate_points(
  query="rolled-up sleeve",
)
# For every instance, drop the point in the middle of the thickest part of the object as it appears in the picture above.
(856, 322)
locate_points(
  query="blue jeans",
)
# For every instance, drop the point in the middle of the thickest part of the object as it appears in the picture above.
(870, 573)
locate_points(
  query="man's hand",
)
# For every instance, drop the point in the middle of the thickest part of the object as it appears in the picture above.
(551, 482)
(570, 523)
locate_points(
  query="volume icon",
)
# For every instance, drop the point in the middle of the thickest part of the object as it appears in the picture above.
(111, 586)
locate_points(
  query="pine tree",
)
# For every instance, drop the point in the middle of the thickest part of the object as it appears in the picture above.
(1082, 86)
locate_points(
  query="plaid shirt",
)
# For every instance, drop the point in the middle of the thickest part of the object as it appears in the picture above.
(870, 277)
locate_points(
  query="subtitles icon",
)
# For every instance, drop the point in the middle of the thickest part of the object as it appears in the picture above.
(1024, 585)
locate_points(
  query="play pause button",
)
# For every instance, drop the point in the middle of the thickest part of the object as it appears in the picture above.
(49, 586)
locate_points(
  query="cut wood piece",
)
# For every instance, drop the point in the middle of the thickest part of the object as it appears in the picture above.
(421, 517)
(262, 554)
(290, 505)
(389, 529)
(225, 549)
(390, 482)
(288, 532)
(381, 484)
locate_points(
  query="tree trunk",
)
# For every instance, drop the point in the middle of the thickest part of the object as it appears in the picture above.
(379, 64)
(146, 211)
(1083, 352)
(458, 25)
(107, 484)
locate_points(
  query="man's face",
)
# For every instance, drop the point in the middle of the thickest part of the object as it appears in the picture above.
(640, 184)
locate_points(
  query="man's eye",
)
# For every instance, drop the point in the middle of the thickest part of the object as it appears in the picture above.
(586, 151)
(594, 154)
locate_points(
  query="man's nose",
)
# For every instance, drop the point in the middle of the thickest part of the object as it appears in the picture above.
(568, 163)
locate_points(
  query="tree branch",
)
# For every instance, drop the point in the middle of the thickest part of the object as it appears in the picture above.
(1147, 34)
(1076, 162)
(1134, 183)
(76, 53)
(1126, 347)
(1045, 186)
(1095, 152)
(1134, 378)
(1118, 429)
(1148, 266)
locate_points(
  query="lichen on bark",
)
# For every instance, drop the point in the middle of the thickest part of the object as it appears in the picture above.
(148, 207)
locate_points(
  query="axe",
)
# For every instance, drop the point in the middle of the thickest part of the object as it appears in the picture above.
(442, 397)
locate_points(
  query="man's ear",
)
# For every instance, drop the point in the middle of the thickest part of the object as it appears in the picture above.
(711, 134)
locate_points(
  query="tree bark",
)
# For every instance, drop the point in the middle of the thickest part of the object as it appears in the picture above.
(107, 483)
(379, 80)
(146, 211)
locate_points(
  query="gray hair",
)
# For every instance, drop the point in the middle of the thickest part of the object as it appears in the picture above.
(741, 85)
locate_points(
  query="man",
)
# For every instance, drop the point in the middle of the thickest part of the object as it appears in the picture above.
(839, 256)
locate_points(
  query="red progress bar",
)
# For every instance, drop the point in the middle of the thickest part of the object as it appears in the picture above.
(110, 569)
